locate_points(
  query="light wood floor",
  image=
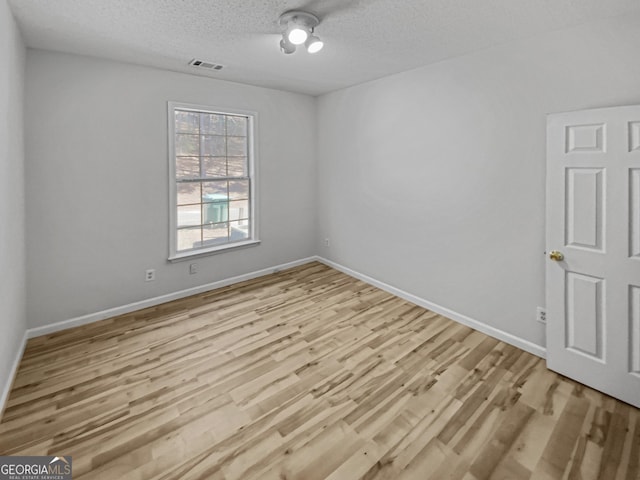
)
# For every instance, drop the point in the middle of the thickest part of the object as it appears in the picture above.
(307, 374)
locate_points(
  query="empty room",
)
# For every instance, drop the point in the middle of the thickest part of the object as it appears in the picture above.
(320, 239)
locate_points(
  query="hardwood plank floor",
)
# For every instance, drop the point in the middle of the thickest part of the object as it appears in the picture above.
(307, 374)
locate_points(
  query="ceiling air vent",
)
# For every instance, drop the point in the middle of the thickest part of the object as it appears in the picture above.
(202, 64)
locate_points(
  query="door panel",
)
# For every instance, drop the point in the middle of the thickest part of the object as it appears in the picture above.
(634, 329)
(634, 217)
(593, 218)
(634, 136)
(584, 204)
(585, 314)
(585, 138)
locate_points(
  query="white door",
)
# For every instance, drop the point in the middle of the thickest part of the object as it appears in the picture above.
(593, 221)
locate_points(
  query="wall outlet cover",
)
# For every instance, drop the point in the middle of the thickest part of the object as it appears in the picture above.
(541, 315)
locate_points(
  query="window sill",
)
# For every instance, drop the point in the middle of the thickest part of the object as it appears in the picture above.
(182, 256)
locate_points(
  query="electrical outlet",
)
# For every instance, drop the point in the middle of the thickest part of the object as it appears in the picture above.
(327, 242)
(541, 315)
(150, 275)
(193, 268)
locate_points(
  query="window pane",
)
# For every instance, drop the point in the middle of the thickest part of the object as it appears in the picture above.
(237, 146)
(215, 234)
(187, 121)
(238, 189)
(214, 191)
(212, 123)
(189, 215)
(216, 211)
(187, 145)
(188, 193)
(189, 238)
(239, 210)
(237, 126)
(216, 208)
(213, 145)
(238, 231)
(214, 167)
(187, 167)
(237, 166)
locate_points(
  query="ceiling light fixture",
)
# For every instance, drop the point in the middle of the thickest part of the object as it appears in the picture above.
(298, 27)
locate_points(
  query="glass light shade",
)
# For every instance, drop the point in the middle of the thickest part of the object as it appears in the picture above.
(314, 44)
(297, 35)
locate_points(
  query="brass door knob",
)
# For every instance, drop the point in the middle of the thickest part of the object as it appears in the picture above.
(556, 256)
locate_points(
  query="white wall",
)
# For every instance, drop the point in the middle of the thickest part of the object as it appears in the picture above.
(12, 251)
(97, 193)
(433, 180)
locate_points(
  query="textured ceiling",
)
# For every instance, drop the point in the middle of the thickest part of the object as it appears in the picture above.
(364, 39)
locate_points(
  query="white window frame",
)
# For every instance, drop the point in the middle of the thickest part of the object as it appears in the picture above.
(252, 155)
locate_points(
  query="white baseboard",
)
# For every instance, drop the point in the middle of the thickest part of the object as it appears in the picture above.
(151, 302)
(4, 395)
(463, 319)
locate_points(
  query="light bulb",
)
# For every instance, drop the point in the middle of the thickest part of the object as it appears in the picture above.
(297, 35)
(314, 44)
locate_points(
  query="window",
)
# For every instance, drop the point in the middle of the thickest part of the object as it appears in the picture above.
(212, 181)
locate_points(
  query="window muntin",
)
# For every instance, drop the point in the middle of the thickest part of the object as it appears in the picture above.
(212, 179)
